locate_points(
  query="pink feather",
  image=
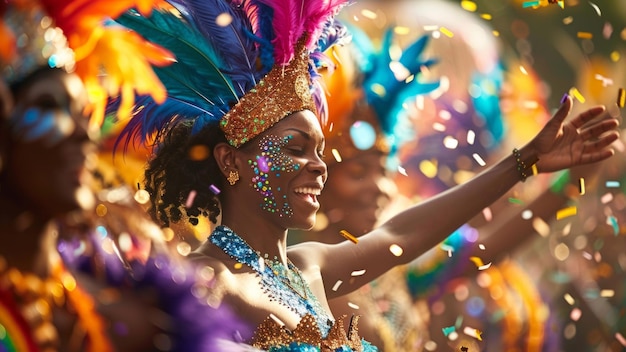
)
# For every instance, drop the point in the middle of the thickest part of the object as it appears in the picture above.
(294, 18)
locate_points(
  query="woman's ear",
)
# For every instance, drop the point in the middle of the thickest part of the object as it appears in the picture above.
(226, 156)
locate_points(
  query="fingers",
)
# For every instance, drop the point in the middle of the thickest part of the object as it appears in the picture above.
(586, 116)
(564, 110)
(598, 129)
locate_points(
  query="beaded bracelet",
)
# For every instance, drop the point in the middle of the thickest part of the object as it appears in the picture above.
(521, 166)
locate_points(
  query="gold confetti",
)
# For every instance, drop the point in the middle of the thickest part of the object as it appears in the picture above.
(473, 332)
(101, 210)
(237, 266)
(445, 31)
(584, 35)
(581, 186)
(576, 93)
(541, 227)
(569, 299)
(607, 293)
(336, 155)
(349, 236)
(198, 152)
(469, 5)
(566, 212)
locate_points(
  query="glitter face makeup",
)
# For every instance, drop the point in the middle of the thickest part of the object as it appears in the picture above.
(272, 162)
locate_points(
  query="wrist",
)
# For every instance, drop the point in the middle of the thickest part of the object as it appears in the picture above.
(526, 162)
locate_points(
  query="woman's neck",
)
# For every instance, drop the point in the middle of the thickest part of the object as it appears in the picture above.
(263, 237)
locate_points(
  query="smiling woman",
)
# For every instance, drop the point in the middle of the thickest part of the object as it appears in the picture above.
(241, 137)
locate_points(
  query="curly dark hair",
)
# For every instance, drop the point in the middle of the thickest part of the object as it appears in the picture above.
(183, 162)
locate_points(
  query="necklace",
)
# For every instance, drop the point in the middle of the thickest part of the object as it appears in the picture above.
(284, 285)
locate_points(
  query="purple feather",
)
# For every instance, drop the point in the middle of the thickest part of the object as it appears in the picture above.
(227, 36)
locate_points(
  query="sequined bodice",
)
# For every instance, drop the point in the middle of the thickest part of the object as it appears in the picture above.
(276, 279)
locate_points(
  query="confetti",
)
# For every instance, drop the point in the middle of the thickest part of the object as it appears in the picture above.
(486, 16)
(566, 212)
(369, 14)
(515, 201)
(471, 137)
(479, 159)
(569, 299)
(523, 70)
(396, 250)
(605, 80)
(481, 246)
(620, 338)
(607, 198)
(612, 220)
(238, 266)
(448, 249)
(541, 227)
(581, 186)
(575, 314)
(357, 273)
(530, 3)
(224, 19)
(584, 35)
(487, 214)
(469, 5)
(275, 318)
(142, 196)
(527, 214)
(349, 236)
(336, 155)
(607, 293)
(448, 330)
(337, 284)
(473, 332)
(445, 31)
(612, 184)
(198, 152)
(190, 198)
(402, 171)
(595, 7)
(352, 305)
(214, 189)
(621, 97)
(576, 93)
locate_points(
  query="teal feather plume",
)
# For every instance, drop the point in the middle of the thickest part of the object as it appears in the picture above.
(198, 68)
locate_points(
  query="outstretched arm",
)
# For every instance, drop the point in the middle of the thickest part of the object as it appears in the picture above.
(559, 145)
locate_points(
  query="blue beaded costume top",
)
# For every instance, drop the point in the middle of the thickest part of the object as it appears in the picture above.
(274, 285)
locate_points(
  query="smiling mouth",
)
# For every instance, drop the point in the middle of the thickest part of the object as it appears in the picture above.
(309, 193)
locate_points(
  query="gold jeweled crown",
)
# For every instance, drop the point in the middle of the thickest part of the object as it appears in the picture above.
(283, 91)
(272, 334)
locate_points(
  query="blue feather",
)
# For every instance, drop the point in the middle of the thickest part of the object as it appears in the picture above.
(229, 40)
(199, 66)
(152, 117)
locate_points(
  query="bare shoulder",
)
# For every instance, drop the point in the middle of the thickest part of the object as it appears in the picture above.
(307, 254)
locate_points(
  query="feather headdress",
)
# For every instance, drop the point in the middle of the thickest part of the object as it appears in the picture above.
(71, 34)
(231, 55)
(370, 114)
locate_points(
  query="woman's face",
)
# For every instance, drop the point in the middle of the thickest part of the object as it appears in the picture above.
(50, 144)
(356, 192)
(286, 170)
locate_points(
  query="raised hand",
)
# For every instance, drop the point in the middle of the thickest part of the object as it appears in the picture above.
(584, 139)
